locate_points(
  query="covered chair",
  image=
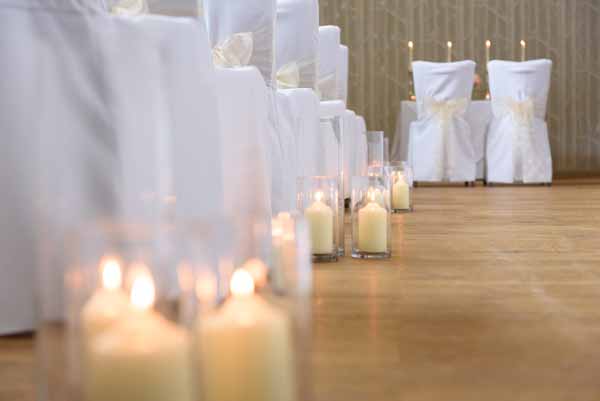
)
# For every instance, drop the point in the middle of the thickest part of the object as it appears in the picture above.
(242, 32)
(518, 149)
(297, 44)
(104, 144)
(440, 144)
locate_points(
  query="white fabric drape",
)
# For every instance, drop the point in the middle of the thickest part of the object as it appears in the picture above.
(518, 149)
(297, 38)
(228, 18)
(342, 74)
(441, 144)
(103, 143)
(329, 48)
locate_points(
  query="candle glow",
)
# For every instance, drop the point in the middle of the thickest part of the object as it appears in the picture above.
(112, 277)
(242, 283)
(142, 292)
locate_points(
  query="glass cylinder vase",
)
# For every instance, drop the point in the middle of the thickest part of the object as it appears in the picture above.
(371, 217)
(401, 177)
(318, 203)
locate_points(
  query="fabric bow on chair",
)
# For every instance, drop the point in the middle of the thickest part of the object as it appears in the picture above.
(522, 113)
(288, 76)
(444, 111)
(129, 7)
(234, 51)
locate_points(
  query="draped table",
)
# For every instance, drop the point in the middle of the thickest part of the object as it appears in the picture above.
(478, 116)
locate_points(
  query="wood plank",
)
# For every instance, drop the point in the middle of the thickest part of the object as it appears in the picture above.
(492, 294)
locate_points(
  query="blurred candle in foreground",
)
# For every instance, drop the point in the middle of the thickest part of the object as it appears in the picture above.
(488, 45)
(449, 44)
(246, 348)
(141, 357)
(109, 303)
(400, 193)
(410, 54)
(523, 50)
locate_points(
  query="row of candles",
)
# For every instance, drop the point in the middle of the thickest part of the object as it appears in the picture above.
(488, 45)
(132, 352)
(374, 198)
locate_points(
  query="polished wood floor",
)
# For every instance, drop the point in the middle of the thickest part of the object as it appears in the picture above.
(492, 294)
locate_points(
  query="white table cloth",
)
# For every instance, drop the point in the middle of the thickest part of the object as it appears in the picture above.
(329, 59)
(478, 116)
(86, 137)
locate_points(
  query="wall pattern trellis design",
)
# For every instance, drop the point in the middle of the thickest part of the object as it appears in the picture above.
(566, 31)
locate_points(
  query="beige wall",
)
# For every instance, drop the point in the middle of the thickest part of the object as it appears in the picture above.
(566, 31)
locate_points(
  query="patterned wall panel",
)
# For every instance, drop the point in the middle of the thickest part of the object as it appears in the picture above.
(566, 31)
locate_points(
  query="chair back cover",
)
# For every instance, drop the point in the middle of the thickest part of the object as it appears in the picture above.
(342, 74)
(329, 49)
(518, 148)
(226, 18)
(104, 143)
(441, 145)
(297, 39)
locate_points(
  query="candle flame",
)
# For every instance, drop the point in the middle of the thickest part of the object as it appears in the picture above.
(449, 44)
(410, 44)
(112, 277)
(143, 292)
(488, 44)
(523, 44)
(319, 196)
(276, 228)
(242, 283)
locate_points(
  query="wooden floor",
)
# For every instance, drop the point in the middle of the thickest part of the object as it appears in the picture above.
(492, 294)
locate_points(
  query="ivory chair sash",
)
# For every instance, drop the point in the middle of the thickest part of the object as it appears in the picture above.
(441, 146)
(518, 149)
(342, 75)
(104, 143)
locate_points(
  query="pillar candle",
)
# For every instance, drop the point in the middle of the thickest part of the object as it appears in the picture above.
(372, 228)
(523, 47)
(109, 303)
(488, 45)
(320, 222)
(246, 348)
(400, 194)
(449, 51)
(143, 357)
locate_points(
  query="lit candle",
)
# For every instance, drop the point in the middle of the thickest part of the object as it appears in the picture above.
(523, 48)
(449, 51)
(109, 303)
(246, 349)
(142, 357)
(400, 193)
(372, 226)
(410, 54)
(488, 45)
(320, 222)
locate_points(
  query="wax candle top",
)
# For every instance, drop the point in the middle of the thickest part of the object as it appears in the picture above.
(449, 44)
(523, 44)
(488, 44)
(410, 44)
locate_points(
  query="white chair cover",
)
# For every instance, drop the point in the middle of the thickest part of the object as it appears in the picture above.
(361, 154)
(103, 142)
(518, 149)
(329, 49)
(225, 18)
(441, 146)
(350, 141)
(297, 53)
(246, 133)
(297, 41)
(342, 75)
